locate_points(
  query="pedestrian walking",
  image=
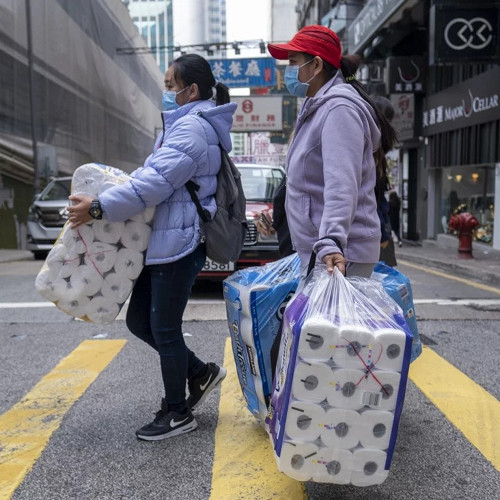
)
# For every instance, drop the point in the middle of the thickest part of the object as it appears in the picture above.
(331, 167)
(394, 211)
(187, 149)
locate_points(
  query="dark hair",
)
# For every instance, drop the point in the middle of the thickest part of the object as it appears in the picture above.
(192, 68)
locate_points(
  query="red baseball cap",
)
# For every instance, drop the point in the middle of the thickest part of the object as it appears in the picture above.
(316, 40)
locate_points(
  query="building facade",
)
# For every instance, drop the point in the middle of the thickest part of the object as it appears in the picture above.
(70, 95)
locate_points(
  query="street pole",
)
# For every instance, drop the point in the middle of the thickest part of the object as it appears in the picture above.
(36, 173)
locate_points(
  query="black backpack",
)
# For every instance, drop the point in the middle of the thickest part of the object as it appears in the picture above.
(225, 233)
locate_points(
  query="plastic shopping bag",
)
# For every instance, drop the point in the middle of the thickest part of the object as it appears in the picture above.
(398, 286)
(90, 271)
(255, 301)
(340, 381)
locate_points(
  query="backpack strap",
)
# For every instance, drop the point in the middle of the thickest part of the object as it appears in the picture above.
(312, 260)
(192, 187)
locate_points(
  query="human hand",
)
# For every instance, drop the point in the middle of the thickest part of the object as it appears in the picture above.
(384, 244)
(79, 210)
(334, 260)
(264, 223)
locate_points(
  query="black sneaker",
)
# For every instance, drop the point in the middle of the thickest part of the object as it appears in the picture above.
(200, 388)
(167, 424)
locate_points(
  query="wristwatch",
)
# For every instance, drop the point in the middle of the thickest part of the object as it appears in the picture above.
(95, 210)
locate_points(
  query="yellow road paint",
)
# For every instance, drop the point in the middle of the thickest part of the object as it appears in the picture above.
(471, 409)
(244, 463)
(26, 428)
(487, 288)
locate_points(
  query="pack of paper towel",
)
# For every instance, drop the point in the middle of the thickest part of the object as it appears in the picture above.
(90, 271)
(340, 381)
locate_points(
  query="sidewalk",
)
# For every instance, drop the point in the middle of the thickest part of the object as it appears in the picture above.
(439, 254)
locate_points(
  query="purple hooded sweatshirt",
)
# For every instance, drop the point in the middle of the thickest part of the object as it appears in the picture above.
(331, 176)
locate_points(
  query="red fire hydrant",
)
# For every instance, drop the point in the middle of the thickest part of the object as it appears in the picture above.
(464, 223)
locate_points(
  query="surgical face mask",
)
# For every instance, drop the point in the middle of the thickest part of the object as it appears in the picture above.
(168, 99)
(292, 82)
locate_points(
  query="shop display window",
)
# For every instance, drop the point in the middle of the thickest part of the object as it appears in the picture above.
(469, 189)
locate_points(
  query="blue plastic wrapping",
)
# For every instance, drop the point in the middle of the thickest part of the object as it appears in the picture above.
(255, 300)
(398, 286)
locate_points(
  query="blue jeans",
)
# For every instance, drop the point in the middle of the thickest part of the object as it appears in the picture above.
(154, 315)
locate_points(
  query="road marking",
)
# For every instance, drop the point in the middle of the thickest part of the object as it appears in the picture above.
(471, 409)
(244, 463)
(459, 302)
(450, 277)
(26, 428)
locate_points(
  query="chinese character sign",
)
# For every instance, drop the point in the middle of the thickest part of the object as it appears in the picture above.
(258, 113)
(257, 72)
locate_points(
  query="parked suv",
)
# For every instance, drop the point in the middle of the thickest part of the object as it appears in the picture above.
(47, 215)
(259, 184)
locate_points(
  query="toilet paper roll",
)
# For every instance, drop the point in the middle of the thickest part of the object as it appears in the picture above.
(316, 337)
(102, 310)
(129, 263)
(333, 466)
(44, 285)
(246, 330)
(86, 281)
(304, 421)
(74, 307)
(136, 236)
(101, 256)
(389, 349)
(145, 217)
(341, 428)
(108, 232)
(62, 262)
(368, 467)
(87, 180)
(346, 388)
(116, 287)
(311, 381)
(244, 296)
(375, 430)
(78, 240)
(353, 347)
(297, 460)
(381, 390)
(64, 289)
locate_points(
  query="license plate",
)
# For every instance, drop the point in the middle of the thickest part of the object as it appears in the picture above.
(212, 266)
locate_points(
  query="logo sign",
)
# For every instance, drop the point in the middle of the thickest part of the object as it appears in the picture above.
(404, 115)
(471, 102)
(262, 113)
(369, 20)
(406, 74)
(462, 34)
(257, 72)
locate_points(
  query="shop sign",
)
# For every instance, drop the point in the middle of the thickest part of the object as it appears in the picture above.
(468, 103)
(462, 35)
(406, 74)
(260, 113)
(404, 115)
(257, 72)
(369, 20)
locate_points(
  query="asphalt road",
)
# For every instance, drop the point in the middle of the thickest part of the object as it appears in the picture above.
(93, 453)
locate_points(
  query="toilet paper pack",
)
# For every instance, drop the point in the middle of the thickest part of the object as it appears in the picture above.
(340, 381)
(90, 271)
(255, 299)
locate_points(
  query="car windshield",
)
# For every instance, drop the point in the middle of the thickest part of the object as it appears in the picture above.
(260, 183)
(58, 189)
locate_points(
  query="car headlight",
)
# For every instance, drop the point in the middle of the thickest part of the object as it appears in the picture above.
(33, 214)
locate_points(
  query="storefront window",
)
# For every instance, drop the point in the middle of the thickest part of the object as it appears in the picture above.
(469, 189)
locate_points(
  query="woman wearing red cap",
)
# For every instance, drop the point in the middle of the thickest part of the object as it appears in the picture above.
(332, 160)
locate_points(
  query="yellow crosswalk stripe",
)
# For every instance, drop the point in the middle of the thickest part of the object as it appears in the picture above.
(244, 463)
(471, 409)
(26, 428)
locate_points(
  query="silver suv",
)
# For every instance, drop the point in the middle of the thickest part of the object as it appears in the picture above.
(47, 215)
